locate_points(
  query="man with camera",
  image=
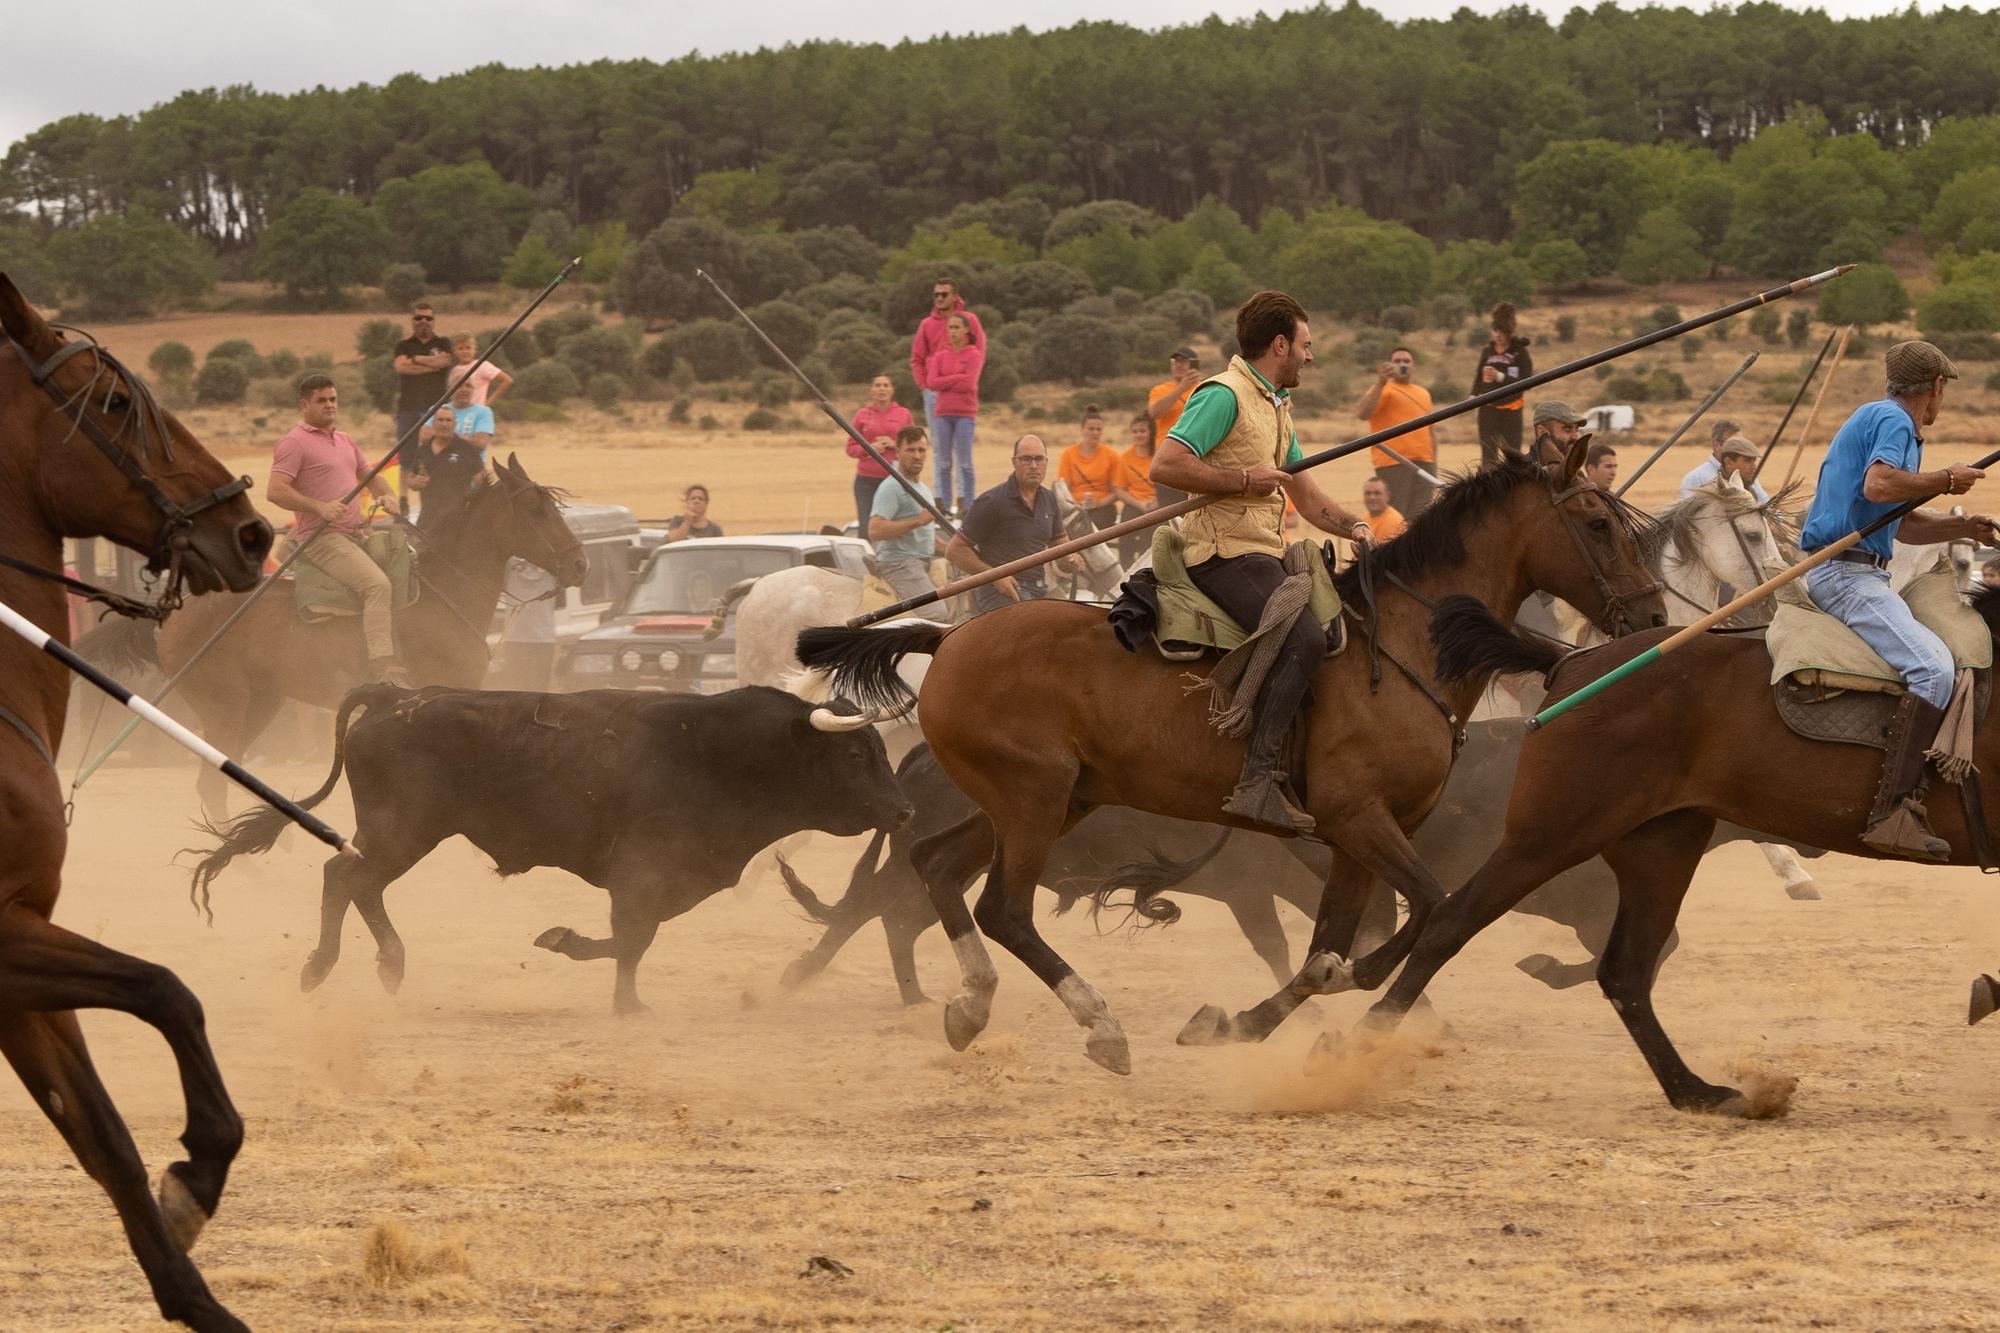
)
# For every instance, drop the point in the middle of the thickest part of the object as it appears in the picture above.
(1390, 401)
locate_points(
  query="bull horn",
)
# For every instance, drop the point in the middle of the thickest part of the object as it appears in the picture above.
(825, 719)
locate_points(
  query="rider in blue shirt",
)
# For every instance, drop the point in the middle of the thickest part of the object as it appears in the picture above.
(1873, 465)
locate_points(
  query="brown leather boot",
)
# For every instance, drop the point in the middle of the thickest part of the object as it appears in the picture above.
(1899, 824)
(1260, 792)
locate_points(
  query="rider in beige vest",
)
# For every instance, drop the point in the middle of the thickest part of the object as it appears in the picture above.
(1233, 440)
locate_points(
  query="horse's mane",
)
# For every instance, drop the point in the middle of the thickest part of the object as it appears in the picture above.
(450, 530)
(1677, 522)
(1435, 539)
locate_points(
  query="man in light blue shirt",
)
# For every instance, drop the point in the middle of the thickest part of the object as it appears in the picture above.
(904, 533)
(1873, 465)
(1720, 435)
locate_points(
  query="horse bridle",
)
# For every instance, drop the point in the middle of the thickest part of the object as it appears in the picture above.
(1614, 620)
(143, 419)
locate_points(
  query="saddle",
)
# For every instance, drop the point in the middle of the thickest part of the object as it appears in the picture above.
(1189, 625)
(317, 595)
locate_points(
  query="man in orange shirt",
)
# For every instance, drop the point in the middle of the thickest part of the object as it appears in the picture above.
(1165, 401)
(1390, 401)
(1384, 523)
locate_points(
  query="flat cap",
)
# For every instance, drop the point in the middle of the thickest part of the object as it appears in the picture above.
(1738, 447)
(1186, 354)
(1551, 410)
(1917, 362)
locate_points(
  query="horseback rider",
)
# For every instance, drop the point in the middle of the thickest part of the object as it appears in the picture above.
(312, 470)
(1872, 466)
(1232, 440)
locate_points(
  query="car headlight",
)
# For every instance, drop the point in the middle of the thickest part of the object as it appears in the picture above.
(670, 660)
(630, 659)
(591, 664)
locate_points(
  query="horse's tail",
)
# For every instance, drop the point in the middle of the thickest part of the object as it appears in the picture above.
(861, 663)
(1150, 878)
(1471, 641)
(256, 830)
(121, 645)
(823, 913)
(724, 604)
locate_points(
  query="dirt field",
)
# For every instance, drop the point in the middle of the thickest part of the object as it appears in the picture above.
(512, 1156)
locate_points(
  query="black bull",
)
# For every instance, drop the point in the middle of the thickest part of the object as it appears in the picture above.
(660, 798)
(1114, 849)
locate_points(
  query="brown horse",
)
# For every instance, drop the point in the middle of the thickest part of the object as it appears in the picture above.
(1038, 716)
(271, 655)
(86, 452)
(1639, 776)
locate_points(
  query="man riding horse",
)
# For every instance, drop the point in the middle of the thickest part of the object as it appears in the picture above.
(1233, 440)
(1871, 467)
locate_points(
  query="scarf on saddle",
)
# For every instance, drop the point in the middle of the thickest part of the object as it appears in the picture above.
(1237, 678)
(1951, 751)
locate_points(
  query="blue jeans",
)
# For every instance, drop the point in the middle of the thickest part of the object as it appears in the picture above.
(951, 441)
(930, 414)
(864, 500)
(1861, 599)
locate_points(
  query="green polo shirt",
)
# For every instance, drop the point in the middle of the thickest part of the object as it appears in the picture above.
(1211, 414)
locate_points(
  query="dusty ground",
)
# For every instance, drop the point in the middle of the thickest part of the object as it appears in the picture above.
(551, 1167)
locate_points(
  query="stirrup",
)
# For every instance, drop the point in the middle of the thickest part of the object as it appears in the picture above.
(1262, 801)
(1905, 831)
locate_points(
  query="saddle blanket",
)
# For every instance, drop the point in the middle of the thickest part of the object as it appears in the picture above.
(317, 595)
(1813, 650)
(1190, 623)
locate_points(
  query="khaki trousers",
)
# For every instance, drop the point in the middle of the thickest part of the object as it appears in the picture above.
(341, 558)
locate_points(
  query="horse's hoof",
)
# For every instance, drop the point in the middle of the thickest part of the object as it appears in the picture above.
(1553, 972)
(1985, 999)
(1210, 1026)
(184, 1217)
(630, 1008)
(390, 974)
(554, 938)
(1108, 1047)
(1805, 891)
(795, 975)
(313, 973)
(961, 1024)
(1324, 1057)
(1327, 974)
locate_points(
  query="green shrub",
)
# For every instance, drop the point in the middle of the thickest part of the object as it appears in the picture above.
(857, 353)
(1628, 388)
(240, 351)
(680, 411)
(379, 378)
(1665, 386)
(604, 390)
(1371, 346)
(172, 361)
(403, 284)
(1765, 323)
(1187, 310)
(761, 418)
(1094, 307)
(818, 371)
(319, 361)
(597, 351)
(787, 324)
(771, 388)
(1401, 318)
(1565, 328)
(521, 409)
(284, 363)
(707, 422)
(658, 359)
(1077, 348)
(1691, 345)
(222, 380)
(550, 381)
(1149, 340)
(377, 337)
(564, 324)
(1604, 372)
(1446, 310)
(1959, 307)
(1993, 382)
(1871, 294)
(1968, 346)
(1663, 315)
(1001, 378)
(1798, 326)
(715, 349)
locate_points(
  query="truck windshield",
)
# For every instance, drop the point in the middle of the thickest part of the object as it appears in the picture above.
(689, 579)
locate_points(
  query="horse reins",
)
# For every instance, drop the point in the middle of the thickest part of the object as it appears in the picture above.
(143, 419)
(1614, 602)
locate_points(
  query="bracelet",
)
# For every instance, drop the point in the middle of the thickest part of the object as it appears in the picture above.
(1246, 481)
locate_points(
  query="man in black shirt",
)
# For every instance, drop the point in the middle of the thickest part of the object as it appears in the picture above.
(1016, 518)
(452, 466)
(423, 365)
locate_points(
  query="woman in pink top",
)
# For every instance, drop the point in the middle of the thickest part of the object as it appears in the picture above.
(878, 421)
(953, 373)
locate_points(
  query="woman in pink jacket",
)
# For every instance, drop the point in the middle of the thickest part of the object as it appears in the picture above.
(953, 372)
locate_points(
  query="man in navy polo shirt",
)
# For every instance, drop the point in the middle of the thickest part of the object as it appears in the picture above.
(1016, 518)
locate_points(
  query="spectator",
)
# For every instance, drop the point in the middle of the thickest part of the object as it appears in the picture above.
(1094, 474)
(472, 420)
(489, 382)
(1711, 467)
(1016, 518)
(1600, 465)
(931, 336)
(881, 421)
(1504, 360)
(528, 643)
(423, 362)
(1137, 462)
(1989, 574)
(1166, 400)
(1390, 401)
(953, 374)
(1557, 425)
(1385, 522)
(453, 463)
(312, 470)
(694, 522)
(1739, 459)
(904, 533)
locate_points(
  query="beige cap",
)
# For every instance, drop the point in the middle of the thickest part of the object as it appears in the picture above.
(1552, 410)
(1738, 447)
(1917, 363)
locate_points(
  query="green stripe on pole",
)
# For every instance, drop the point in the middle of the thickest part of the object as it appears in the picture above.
(1595, 688)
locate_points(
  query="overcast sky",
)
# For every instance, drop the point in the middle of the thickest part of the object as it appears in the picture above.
(131, 54)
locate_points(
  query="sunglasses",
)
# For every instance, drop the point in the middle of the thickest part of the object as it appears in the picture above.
(1025, 458)
(940, 296)
(423, 319)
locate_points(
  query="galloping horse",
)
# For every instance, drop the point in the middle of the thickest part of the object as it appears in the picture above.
(1640, 776)
(1038, 716)
(271, 655)
(85, 451)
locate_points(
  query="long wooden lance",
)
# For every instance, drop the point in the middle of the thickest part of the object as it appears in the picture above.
(1805, 431)
(1681, 638)
(83, 774)
(1154, 517)
(1687, 425)
(187, 740)
(867, 446)
(1797, 398)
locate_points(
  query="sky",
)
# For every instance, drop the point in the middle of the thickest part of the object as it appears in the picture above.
(134, 53)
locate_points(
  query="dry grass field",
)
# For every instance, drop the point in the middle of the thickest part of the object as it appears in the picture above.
(490, 1149)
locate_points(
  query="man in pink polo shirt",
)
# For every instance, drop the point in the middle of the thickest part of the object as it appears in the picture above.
(312, 470)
